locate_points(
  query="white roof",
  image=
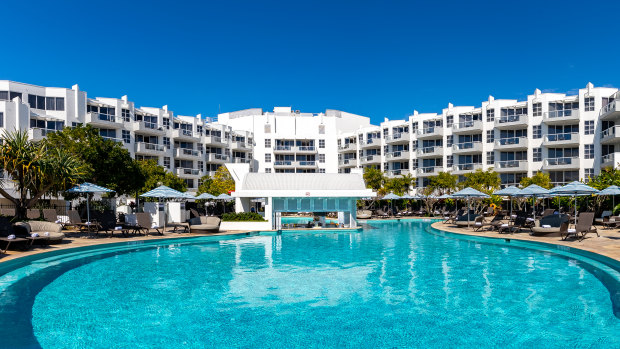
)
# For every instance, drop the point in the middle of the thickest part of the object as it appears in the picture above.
(303, 185)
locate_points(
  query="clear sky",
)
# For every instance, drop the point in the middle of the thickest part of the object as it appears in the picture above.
(379, 59)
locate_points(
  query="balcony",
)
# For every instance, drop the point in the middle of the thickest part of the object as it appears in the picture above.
(467, 127)
(611, 111)
(284, 164)
(237, 145)
(185, 135)
(397, 155)
(400, 172)
(306, 164)
(240, 160)
(558, 139)
(113, 139)
(561, 164)
(37, 134)
(189, 172)
(149, 128)
(430, 152)
(611, 135)
(104, 120)
(347, 147)
(372, 143)
(347, 163)
(371, 159)
(609, 160)
(511, 122)
(217, 140)
(467, 148)
(284, 149)
(217, 158)
(513, 143)
(186, 153)
(149, 148)
(511, 166)
(399, 138)
(465, 168)
(305, 149)
(569, 116)
(430, 132)
(429, 171)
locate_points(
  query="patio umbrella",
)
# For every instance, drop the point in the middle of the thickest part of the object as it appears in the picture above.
(224, 198)
(164, 192)
(407, 197)
(509, 192)
(533, 191)
(612, 190)
(89, 188)
(576, 189)
(205, 196)
(469, 193)
(391, 197)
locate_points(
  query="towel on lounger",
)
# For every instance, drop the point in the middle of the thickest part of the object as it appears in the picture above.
(118, 228)
(34, 235)
(546, 226)
(11, 237)
(46, 233)
(571, 231)
(505, 225)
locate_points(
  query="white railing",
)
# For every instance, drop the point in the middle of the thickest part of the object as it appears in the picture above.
(186, 151)
(611, 106)
(567, 113)
(140, 146)
(104, 117)
(504, 119)
(306, 148)
(189, 171)
(346, 146)
(609, 132)
(427, 170)
(429, 130)
(467, 145)
(608, 158)
(562, 137)
(283, 163)
(397, 154)
(466, 124)
(114, 139)
(510, 163)
(306, 163)
(283, 148)
(466, 167)
(373, 141)
(564, 161)
(511, 141)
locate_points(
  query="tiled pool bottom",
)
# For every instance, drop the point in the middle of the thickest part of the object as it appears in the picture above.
(396, 285)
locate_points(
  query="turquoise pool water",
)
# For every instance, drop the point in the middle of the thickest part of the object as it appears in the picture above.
(394, 284)
(303, 220)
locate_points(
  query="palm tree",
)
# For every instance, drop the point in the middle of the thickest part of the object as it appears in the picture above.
(33, 169)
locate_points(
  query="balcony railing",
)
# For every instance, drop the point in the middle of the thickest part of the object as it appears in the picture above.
(113, 139)
(563, 161)
(306, 163)
(104, 117)
(347, 162)
(562, 137)
(505, 119)
(283, 163)
(466, 145)
(466, 167)
(562, 113)
(511, 164)
(397, 154)
(188, 171)
(373, 141)
(306, 148)
(217, 157)
(283, 148)
(347, 146)
(608, 160)
(428, 170)
(399, 172)
(141, 146)
(511, 141)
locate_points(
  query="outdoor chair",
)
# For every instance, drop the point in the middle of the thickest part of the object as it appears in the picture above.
(145, 223)
(381, 214)
(479, 223)
(33, 214)
(583, 227)
(547, 212)
(50, 215)
(107, 223)
(7, 212)
(611, 222)
(549, 225)
(364, 214)
(452, 218)
(76, 221)
(496, 222)
(604, 215)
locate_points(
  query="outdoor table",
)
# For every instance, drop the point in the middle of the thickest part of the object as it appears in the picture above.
(9, 241)
(37, 238)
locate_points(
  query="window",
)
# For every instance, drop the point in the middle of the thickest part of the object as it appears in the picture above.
(322, 158)
(267, 170)
(537, 109)
(450, 160)
(267, 157)
(537, 154)
(589, 127)
(321, 170)
(167, 142)
(167, 162)
(4, 96)
(267, 143)
(321, 143)
(449, 120)
(588, 151)
(126, 136)
(201, 165)
(44, 103)
(126, 115)
(490, 158)
(490, 115)
(1, 119)
(490, 136)
(588, 104)
(15, 94)
(537, 131)
(450, 141)
(588, 173)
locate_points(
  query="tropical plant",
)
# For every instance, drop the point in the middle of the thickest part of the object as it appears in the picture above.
(222, 182)
(541, 179)
(374, 178)
(34, 169)
(443, 183)
(397, 185)
(242, 217)
(205, 184)
(157, 175)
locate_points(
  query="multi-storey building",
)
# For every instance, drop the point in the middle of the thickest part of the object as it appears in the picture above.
(570, 137)
(186, 145)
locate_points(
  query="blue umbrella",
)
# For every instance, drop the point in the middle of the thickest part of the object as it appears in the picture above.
(576, 189)
(205, 196)
(509, 192)
(612, 190)
(89, 188)
(469, 193)
(164, 192)
(534, 191)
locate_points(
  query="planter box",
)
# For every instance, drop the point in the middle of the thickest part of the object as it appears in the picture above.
(239, 225)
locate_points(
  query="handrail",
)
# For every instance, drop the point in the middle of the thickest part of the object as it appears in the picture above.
(151, 146)
(466, 145)
(509, 141)
(561, 161)
(509, 163)
(562, 113)
(509, 118)
(558, 137)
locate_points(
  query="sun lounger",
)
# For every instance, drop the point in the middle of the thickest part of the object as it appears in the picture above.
(549, 225)
(604, 215)
(33, 214)
(145, 223)
(364, 214)
(583, 227)
(204, 224)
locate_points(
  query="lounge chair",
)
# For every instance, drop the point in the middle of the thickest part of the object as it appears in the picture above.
(583, 227)
(108, 224)
(521, 222)
(451, 219)
(381, 214)
(364, 214)
(50, 215)
(479, 223)
(33, 214)
(49, 230)
(611, 222)
(488, 212)
(549, 225)
(464, 221)
(194, 212)
(496, 222)
(547, 212)
(604, 215)
(76, 221)
(7, 212)
(204, 224)
(145, 223)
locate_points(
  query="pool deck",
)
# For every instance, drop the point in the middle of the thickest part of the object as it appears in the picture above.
(607, 244)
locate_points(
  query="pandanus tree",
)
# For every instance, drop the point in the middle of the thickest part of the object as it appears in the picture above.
(34, 169)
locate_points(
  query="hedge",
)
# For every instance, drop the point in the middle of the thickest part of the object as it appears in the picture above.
(242, 217)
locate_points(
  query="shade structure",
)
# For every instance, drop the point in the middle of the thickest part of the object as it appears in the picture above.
(205, 196)
(89, 188)
(391, 196)
(407, 197)
(164, 192)
(468, 193)
(612, 191)
(224, 197)
(445, 196)
(510, 192)
(534, 191)
(576, 189)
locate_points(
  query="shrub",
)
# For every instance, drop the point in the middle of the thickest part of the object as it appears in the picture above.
(242, 217)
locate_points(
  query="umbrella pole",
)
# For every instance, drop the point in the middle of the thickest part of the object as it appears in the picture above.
(575, 210)
(468, 212)
(88, 208)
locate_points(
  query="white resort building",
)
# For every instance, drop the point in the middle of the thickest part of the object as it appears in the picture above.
(570, 137)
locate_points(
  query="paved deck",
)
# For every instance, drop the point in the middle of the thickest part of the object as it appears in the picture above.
(608, 244)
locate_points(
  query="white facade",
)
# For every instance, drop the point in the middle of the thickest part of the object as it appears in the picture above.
(190, 146)
(569, 137)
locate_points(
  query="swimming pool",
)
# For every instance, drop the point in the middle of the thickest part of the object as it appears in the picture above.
(393, 284)
(303, 220)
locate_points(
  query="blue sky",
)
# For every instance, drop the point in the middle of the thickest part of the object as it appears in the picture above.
(379, 59)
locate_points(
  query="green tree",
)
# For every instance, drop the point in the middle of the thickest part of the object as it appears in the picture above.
(222, 182)
(541, 179)
(205, 185)
(374, 179)
(608, 176)
(485, 181)
(35, 169)
(443, 183)
(157, 175)
(107, 162)
(397, 185)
